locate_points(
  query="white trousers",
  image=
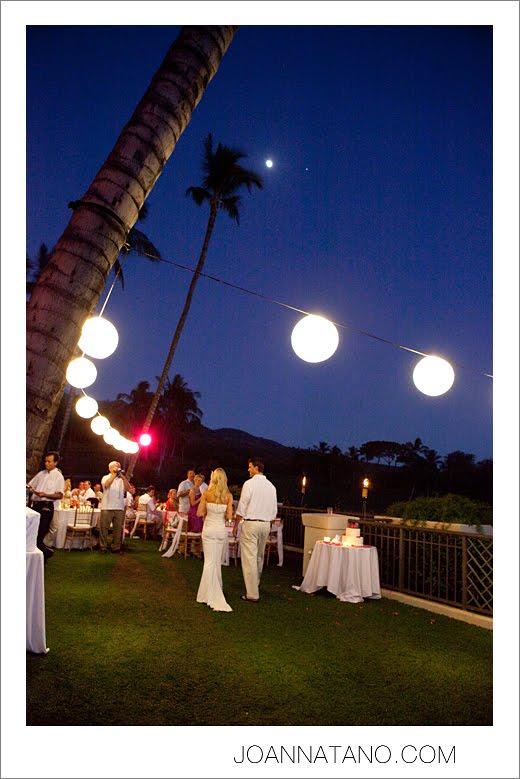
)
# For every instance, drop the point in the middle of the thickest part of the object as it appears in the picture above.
(253, 538)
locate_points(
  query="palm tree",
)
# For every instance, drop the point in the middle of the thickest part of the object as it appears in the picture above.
(36, 269)
(223, 178)
(179, 413)
(71, 284)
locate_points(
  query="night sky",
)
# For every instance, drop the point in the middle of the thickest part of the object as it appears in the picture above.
(377, 213)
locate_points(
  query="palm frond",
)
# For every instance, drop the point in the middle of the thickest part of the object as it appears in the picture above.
(230, 206)
(198, 194)
(139, 242)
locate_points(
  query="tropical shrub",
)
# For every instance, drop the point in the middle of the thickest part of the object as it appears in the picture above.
(444, 510)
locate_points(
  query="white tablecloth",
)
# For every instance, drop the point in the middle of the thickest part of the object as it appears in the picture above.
(350, 573)
(62, 517)
(35, 589)
(32, 523)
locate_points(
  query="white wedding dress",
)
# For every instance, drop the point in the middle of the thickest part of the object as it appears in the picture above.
(214, 536)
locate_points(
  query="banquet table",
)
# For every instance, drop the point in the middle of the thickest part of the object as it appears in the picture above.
(349, 572)
(35, 589)
(63, 516)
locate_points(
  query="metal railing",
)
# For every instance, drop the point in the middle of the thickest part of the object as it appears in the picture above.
(442, 565)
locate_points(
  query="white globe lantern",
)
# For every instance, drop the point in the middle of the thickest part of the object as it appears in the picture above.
(110, 436)
(81, 373)
(433, 376)
(86, 407)
(99, 338)
(134, 447)
(99, 425)
(314, 338)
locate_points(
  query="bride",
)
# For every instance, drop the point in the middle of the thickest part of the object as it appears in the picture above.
(216, 505)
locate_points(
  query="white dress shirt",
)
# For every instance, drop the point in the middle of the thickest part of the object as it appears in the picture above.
(114, 495)
(49, 482)
(86, 495)
(184, 502)
(258, 499)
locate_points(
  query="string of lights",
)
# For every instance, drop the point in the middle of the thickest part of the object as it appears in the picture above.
(433, 375)
(306, 313)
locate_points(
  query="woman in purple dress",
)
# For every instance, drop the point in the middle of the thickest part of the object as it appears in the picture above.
(195, 523)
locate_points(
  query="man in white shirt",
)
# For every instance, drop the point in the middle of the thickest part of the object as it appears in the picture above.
(115, 486)
(183, 491)
(48, 486)
(257, 507)
(203, 487)
(87, 493)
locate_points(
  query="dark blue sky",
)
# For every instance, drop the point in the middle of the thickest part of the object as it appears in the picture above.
(377, 213)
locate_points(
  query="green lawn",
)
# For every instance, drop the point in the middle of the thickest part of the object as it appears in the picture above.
(129, 645)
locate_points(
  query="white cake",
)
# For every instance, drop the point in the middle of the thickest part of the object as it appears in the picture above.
(352, 537)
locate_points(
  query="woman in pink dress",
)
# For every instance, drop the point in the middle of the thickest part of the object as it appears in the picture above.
(195, 523)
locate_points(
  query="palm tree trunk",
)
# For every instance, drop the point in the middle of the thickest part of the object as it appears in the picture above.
(178, 331)
(71, 284)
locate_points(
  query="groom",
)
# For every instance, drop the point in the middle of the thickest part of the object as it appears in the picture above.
(257, 507)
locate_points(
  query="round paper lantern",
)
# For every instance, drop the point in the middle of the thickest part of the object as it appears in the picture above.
(86, 407)
(81, 373)
(110, 435)
(314, 338)
(99, 338)
(99, 425)
(145, 439)
(134, 447)
(433, 376)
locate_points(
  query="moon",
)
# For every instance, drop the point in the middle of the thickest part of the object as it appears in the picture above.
(268, 163)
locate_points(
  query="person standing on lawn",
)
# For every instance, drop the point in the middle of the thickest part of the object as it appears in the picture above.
(48, 486)
(257, 508)
(115, 486)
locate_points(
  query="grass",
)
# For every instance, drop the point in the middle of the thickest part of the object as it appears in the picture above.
(129, 645)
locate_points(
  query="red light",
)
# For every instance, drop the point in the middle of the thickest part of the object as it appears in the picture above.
(145, 439)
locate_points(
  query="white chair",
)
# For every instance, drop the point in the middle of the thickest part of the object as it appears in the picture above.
(189, 542)
(272, 544)
(234, 546)
(169, 529)
(81, 526)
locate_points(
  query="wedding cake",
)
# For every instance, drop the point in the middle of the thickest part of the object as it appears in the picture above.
(352, 537)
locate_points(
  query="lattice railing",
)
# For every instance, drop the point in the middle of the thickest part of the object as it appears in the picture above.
(447, 566)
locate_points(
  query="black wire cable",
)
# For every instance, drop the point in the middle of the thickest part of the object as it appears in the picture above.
(301, 311)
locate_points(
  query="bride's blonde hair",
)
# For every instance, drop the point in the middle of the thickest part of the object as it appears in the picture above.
(218, 485)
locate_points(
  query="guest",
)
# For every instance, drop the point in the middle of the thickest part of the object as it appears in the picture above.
(147, 503)
(171, 507)
(115, 485)
(67, 492)
(87, 493)
(98, 491)
(257, 507)
(129, 502)
(172, 503)
(183, 491)
(195, 522)
(203, 487)
(48, 486)
(216, 505)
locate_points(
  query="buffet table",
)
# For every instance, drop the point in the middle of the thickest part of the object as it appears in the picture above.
(349, 572)
(35, 589)
(62, 517)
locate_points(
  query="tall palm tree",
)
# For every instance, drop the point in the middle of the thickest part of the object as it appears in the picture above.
(179, 414)
(223, 178)
(71, 284)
